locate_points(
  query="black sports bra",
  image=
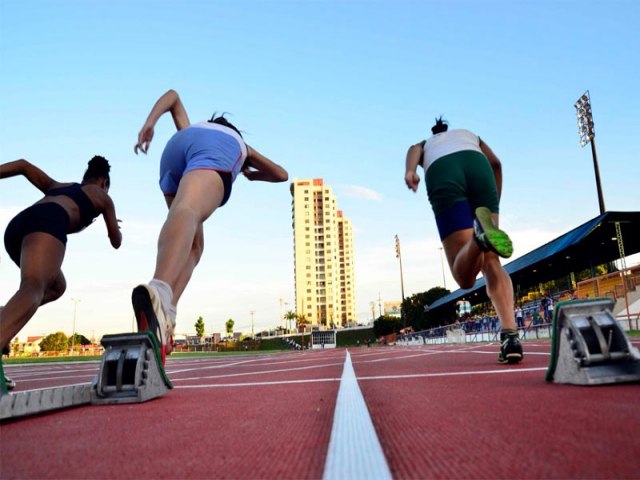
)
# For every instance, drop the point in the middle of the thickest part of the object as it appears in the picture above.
(74, 192)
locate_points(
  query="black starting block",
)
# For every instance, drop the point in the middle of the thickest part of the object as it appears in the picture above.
(131, 371)
(588, 347)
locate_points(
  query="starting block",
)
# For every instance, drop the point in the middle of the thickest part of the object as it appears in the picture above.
(131, 371)
(588, 347)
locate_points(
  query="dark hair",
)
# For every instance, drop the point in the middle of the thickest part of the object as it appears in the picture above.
(440, 126)
(98, 168)
(220, 120)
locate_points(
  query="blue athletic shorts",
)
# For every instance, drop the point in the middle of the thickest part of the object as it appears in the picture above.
(197, 148)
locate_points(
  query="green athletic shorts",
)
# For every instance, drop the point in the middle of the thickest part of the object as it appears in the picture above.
(457, 184)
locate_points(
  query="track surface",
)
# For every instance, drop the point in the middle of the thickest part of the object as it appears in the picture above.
(446, 411)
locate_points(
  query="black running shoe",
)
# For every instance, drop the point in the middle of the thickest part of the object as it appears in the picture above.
(511, 348)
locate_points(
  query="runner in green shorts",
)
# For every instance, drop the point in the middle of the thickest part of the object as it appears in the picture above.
(464, 182)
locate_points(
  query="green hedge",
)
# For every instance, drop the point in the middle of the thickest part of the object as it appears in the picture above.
(349, 337)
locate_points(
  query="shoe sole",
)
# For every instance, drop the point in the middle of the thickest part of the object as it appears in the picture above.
(497, 240)
(146, 317)
(512, 358)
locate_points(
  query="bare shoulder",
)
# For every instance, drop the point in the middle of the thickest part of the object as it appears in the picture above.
(98, 196)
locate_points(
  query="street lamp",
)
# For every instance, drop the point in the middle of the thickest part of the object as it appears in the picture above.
(587, 134)
(73, 335)
(399, 257)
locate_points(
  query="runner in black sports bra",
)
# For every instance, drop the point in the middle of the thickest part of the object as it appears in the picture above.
(36, 238)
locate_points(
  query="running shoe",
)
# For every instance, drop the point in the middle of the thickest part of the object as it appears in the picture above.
(488, 236)
(511, 348)
(10, 383)
(151, 316)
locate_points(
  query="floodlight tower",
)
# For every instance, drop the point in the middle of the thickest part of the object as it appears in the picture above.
(587, 135)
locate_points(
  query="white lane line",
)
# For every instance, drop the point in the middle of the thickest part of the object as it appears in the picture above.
(244, 374)
(354, 449)
(453, 374)
(257, 384)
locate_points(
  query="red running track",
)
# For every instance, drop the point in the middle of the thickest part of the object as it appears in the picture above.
(439, 412)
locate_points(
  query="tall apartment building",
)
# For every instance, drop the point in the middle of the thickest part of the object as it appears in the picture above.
(323, 255)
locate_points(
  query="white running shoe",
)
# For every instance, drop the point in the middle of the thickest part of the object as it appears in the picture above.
(150, 315)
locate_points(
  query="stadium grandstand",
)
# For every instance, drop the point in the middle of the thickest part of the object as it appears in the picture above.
(607, 238)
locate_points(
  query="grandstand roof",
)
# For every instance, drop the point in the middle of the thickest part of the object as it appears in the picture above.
(592, 243)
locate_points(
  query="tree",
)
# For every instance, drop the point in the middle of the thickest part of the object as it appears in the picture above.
(77, 339)
(229, 327)
(301, 321)
(386, 325)
(200, 327)
(290, 316)
(55, 342)
(413, 308)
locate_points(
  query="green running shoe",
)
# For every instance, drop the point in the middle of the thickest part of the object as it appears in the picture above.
(489, 237)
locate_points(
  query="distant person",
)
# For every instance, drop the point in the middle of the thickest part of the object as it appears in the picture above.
(464, 183)
(519, 317)
(197, 169)
(544, 303)
(36, 238)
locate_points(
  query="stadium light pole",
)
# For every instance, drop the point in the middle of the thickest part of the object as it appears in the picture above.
(444, 281)
(587, 134)
(399, 257)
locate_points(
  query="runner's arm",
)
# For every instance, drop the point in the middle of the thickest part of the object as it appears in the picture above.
(169, 102)
(110, 220)
(37, 177)
(262, 169)
(414, 158)
(495, 163)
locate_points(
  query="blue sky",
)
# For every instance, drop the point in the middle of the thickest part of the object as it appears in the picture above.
(328, 89)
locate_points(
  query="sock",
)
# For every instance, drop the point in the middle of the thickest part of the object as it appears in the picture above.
(164, 292)
(173, 313)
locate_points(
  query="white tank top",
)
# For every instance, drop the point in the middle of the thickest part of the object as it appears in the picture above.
(449, 142)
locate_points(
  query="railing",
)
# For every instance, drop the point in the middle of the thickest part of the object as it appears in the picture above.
(455, 334)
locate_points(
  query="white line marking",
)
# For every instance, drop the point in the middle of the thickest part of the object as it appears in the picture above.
(354, 449)
(256, 384)
(452, 374)
(243, 374)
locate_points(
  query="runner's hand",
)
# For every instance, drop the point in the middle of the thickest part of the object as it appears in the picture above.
(412, 179)
(144, 139)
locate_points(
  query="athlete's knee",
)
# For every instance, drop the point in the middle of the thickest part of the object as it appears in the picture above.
(464, 281)
(55, 290)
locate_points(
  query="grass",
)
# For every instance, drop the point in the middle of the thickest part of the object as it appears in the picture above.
(61, 359)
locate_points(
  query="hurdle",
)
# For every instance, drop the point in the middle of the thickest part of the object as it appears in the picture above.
(588, 347)
(130, 371)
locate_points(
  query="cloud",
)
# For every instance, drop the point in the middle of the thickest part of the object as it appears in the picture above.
(357, 191)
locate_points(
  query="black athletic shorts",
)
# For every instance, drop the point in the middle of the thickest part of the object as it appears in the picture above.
(48, 217)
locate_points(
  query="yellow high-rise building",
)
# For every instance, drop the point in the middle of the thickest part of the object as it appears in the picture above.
(323, 256)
